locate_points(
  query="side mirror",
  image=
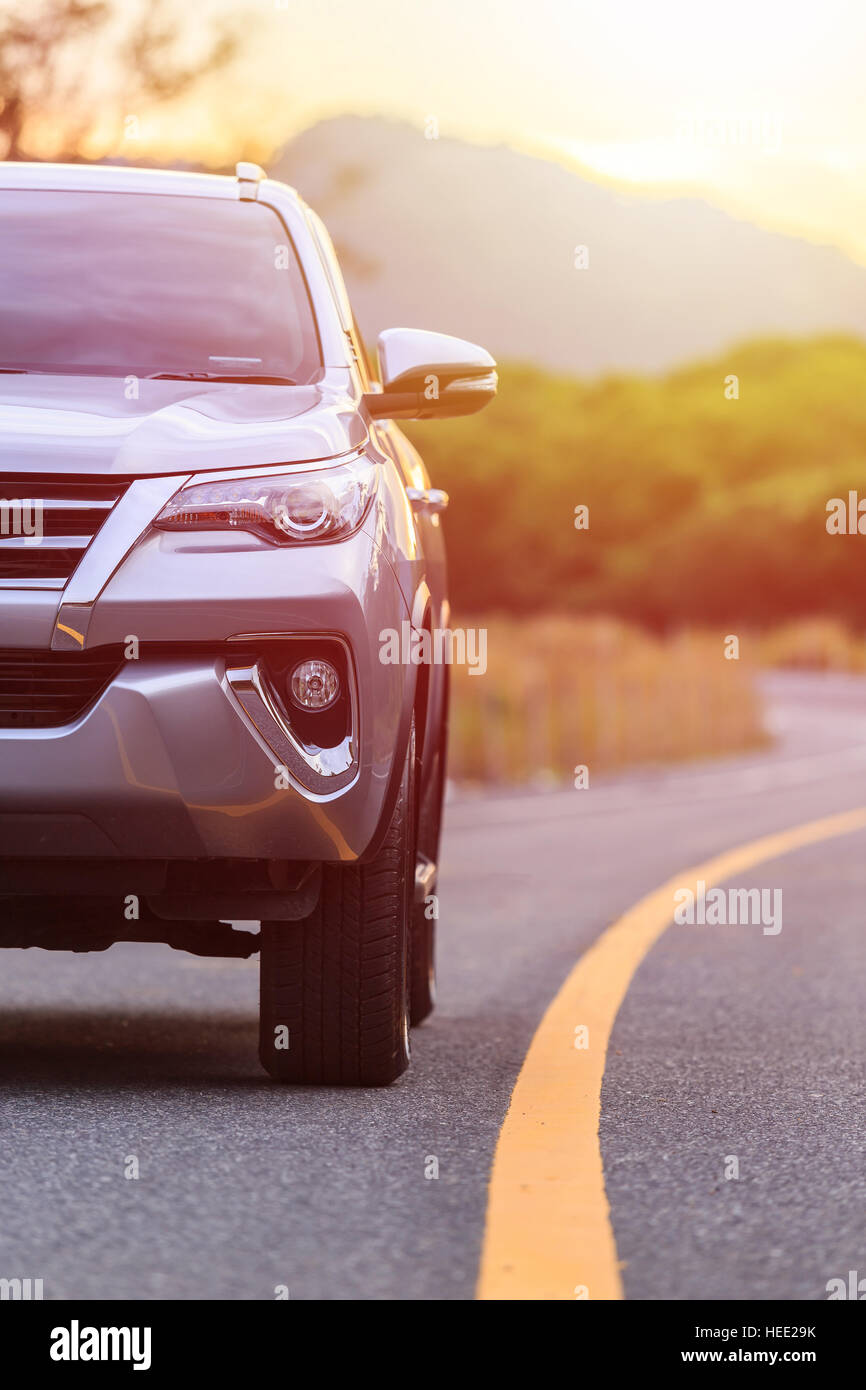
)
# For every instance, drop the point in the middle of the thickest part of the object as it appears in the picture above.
(428, 376)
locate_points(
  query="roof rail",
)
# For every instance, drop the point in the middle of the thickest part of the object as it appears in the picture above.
(249, 176)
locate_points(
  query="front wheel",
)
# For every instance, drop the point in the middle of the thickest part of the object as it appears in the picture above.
(334, 997)
(422, 955)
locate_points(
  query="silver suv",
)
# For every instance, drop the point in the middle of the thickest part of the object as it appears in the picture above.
(209, 525)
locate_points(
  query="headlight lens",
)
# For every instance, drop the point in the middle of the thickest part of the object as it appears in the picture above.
(286, 508)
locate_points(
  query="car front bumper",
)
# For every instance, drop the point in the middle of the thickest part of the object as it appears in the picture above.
(167, 763)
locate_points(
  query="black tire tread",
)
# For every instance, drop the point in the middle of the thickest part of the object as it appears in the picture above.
(338, 980)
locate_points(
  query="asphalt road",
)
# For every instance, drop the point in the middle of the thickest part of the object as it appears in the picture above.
(730, 1043)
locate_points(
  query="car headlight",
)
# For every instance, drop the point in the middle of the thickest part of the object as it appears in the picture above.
(286, 508)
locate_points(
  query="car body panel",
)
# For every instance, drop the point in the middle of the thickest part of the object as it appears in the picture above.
(87, 427)
(164, 763)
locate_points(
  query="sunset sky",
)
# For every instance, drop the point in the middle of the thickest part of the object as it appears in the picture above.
(755, 104)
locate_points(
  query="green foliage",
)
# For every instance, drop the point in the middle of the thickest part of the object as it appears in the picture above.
(702, 509)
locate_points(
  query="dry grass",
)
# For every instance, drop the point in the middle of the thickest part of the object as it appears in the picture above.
(819, 644)
(559, 692)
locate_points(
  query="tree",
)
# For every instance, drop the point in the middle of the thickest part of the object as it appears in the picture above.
(48, 76)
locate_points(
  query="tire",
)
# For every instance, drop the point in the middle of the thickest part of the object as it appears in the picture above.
(334, 988)
(422, 985)
(422, 955)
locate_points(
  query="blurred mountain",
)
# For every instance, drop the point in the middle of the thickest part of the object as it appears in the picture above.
(480, 241)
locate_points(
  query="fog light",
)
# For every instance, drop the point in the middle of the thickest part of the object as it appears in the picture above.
(314, 685)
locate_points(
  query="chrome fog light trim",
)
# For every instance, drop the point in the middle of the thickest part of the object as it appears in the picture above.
(317, 772)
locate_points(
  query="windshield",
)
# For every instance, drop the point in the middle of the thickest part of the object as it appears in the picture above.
(127, 284)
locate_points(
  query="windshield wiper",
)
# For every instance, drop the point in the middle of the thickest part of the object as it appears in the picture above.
(223, 376)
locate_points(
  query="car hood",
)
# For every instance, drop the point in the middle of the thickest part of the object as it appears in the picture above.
(86, 425)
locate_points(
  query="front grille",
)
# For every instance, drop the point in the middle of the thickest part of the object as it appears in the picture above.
(71, 514)
(43, 689)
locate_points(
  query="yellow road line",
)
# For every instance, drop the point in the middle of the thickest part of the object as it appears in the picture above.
(548, 1232)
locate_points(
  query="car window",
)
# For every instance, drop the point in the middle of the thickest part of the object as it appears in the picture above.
(140, 284)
